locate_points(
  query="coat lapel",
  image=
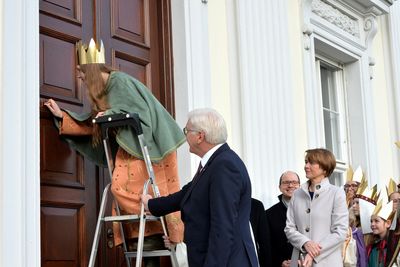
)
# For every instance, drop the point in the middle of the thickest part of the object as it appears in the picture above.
(323, 186)
(196, 178)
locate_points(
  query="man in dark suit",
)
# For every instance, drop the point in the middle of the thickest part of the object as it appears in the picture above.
(261, 232)
(281, 249)
(215, 205)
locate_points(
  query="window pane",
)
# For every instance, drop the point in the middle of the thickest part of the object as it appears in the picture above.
(329, 95)
(332, 134)
(336, 178)
(334, 115)
(331, 113)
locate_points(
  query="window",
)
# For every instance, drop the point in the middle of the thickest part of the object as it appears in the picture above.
(333, 110)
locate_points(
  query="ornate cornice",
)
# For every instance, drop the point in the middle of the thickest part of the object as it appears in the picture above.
(375, 7)
(335, 17)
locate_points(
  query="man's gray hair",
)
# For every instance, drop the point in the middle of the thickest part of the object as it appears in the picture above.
(211, 123)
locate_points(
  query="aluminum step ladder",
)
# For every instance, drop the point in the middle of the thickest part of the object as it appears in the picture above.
(132, 120)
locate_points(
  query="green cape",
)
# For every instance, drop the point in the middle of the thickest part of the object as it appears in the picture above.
(125, 94)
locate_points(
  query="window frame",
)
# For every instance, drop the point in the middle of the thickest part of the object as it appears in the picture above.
(342, 161)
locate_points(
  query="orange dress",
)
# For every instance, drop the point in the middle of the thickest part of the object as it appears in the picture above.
(129, 176)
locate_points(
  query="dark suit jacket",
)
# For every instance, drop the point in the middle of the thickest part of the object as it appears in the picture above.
(261, 232)
(281, 249)
(215, 207)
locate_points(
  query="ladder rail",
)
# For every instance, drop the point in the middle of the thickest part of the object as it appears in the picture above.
(132, 120)
(110, 163)
(96, 239)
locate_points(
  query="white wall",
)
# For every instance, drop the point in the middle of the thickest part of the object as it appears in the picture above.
(191, 70)
(382, 94)
(267, 92)
(2, 63)
(221, 85)
(392, 61)
(19, 141)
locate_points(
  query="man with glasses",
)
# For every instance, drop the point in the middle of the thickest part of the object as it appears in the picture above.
(215, 205)
(352, 183)
(281, 249)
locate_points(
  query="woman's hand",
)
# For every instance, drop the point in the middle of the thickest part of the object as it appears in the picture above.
(313, 249)
(54, 108)
(99, 114)
(308, 260)
(285, 263)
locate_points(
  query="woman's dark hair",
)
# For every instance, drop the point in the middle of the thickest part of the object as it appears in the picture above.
(323, 157)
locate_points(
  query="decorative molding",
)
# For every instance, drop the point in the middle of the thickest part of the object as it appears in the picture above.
(307, 31)
(376, 7)
(335, 17)
(371, 28)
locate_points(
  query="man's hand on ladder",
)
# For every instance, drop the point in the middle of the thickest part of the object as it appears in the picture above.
(168, 243)
(145, 201)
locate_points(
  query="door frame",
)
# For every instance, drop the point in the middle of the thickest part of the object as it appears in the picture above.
(19, 138)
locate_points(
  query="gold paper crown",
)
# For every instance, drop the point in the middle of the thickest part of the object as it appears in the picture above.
(385, 211)
(90, 54)
(368, 194)
(391, 187)
(398, 144)
(356, 176)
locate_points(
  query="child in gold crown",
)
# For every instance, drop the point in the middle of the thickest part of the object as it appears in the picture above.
(112, 92)
(381, 220)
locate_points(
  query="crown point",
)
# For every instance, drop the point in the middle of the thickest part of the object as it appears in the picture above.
(384, 210)
(90, 54)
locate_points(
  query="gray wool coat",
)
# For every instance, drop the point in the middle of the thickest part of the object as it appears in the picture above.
(324, 220)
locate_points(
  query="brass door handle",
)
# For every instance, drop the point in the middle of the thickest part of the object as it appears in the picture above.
(110, 233)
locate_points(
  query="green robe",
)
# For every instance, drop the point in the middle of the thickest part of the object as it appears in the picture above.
(125, 94)
(374, 258)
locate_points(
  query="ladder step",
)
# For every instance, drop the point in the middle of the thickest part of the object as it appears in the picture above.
(130, 218)
(152, 253)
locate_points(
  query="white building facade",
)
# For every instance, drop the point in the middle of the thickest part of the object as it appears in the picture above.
(287, 75)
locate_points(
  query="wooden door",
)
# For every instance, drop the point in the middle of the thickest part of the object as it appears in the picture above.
(136, 34)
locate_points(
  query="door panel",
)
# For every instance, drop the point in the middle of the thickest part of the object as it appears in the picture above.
(135, 27)
(126, 30)
(65, 168)
(69, 186)
(137, 41)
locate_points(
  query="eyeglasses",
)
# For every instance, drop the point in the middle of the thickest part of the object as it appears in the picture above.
(350, 185)
(186, 130)
(396, 200)
(290, 182)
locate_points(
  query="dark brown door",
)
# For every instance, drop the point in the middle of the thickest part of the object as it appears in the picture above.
(136, 34)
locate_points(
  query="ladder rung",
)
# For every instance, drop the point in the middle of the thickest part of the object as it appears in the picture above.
(133, 218)
(152, 253)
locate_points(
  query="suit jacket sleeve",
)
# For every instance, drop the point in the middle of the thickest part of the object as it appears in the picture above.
(224, 196)
(339, 226)
(163, 205)
(261, 232)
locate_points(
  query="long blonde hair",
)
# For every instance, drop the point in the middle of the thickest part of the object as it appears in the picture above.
(96, 87)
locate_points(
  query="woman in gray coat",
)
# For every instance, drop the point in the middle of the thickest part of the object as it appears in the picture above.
(317, 216)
